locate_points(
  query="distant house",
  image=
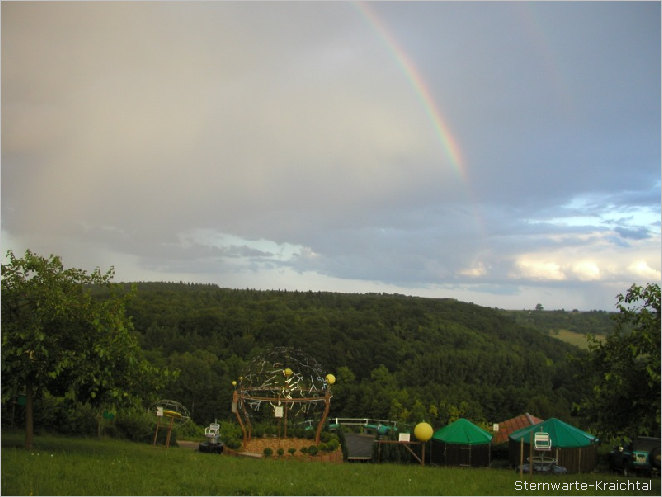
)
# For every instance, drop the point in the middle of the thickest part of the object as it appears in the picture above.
(510, 425)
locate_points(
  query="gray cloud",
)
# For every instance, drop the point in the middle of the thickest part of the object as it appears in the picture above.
(282, 144)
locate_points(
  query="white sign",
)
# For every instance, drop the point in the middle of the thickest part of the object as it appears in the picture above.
(159, 411)
(278, 411)
(404, 437)
(542, 441)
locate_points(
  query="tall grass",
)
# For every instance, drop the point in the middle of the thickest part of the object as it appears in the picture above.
(69, 466)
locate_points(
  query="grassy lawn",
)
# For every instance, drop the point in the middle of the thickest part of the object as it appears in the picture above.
(573, 338)
(71, 466)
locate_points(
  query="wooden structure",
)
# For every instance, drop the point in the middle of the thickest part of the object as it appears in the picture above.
(170, 411)
(571, 447)
(281, 398)
(461, 444)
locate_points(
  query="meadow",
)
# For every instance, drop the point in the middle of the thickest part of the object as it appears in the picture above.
(574, 338)
(76, 466)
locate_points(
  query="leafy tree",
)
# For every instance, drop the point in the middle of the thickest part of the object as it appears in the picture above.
(625, 400)
(56, 337)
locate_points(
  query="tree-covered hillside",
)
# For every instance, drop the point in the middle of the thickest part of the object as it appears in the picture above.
(395, 357)
(593, 322)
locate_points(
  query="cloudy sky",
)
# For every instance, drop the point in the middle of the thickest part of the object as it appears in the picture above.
(506, 154)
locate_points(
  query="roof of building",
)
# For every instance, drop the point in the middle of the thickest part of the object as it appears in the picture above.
(514, 424)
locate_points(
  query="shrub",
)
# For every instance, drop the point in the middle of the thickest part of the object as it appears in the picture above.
(281, 451)
(190, 431)
(229, 431)
(268, 451)
(312, 450)
(291, 450)
(303, 450)
(139, 425)
(233, 443)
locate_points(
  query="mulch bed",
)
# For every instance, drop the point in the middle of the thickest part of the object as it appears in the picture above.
(257, 445)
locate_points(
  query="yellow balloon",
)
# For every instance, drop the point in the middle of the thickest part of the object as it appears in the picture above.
(287, 371)
(330, 379)
(423, 432)
(234, 383)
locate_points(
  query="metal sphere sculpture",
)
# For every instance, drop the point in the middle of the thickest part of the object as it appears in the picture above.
(287, 381)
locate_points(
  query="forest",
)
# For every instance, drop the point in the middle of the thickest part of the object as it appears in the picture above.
(395, 357)
(79, 349)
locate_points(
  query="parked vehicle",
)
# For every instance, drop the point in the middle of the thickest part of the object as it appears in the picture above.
(641, 456)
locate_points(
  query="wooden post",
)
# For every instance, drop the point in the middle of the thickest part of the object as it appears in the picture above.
(285, 433)
(423, 454)
(235, 405)
(158, 421)
(531, 454)
(327, 402)
(521, 456)
(172, 420)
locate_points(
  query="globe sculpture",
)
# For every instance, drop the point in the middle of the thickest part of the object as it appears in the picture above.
(423, 432)
(282, 382)
(171, 412)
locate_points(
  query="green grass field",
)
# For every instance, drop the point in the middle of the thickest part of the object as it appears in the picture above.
(71, 466)
(573, 338)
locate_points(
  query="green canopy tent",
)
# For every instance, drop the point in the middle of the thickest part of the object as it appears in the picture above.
(573, 448)
(461, 443)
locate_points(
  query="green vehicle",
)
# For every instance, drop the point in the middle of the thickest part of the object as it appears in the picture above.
(641, 456)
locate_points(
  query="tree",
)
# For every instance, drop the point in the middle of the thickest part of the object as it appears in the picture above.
(625, 399)
(57, 337)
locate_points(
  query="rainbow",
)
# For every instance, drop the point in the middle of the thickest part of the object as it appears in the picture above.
(442, 130)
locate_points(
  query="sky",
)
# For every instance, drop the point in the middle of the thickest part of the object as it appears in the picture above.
(501, 153)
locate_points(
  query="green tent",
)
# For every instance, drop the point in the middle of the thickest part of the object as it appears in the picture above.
(562, 434)
(462, 432)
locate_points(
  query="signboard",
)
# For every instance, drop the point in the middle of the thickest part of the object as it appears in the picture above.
(404, 437)
(159, 411)
(278, 411)
(542, 441)
(234, 407)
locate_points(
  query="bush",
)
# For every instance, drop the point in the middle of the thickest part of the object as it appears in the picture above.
(229, 431)
(312, 450)
(281, 451)
(268, 451)
(139, 425)
(233, 443)
(190, 431)
(291, 450)
(303, 450)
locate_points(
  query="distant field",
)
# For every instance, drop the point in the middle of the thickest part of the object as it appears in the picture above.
(73, 466)
(573, 338)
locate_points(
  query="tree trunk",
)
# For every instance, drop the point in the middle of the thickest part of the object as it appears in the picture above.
(29, 416)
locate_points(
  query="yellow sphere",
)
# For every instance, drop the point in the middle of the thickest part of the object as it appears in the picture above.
(287, 372)
(423, 432)
(330, 379)
(234, 383)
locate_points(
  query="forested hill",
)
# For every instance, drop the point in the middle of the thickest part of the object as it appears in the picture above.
(593, 322)
(395, 357)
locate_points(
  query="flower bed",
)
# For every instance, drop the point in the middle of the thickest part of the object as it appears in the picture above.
(257, 446)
